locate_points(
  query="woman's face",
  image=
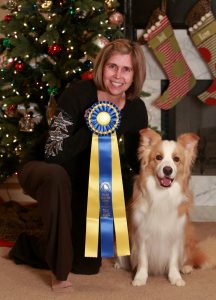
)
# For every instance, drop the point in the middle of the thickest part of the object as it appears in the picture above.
(118, 74)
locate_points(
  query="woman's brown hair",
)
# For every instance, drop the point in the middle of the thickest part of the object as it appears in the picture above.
(122, 46)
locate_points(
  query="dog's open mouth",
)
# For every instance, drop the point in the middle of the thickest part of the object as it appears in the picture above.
(165, 181)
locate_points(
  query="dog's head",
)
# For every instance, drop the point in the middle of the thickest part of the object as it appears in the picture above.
(167, 160)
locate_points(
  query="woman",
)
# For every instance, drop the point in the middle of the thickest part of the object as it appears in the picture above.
(60, 182)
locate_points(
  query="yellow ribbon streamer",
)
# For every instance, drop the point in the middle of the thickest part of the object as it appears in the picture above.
(92, 221)
(120, 221)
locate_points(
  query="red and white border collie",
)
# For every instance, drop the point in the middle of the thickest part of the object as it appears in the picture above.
(161, 235)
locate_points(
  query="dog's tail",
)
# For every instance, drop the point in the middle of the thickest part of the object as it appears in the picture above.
(208, 248)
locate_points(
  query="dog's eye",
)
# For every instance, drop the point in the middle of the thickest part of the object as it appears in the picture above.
(176, 158)
(159, 157)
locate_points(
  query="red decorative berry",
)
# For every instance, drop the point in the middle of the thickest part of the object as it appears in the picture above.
(19, 66)
(7, 18)
(54, 49)
(87, 75)
(11, 110)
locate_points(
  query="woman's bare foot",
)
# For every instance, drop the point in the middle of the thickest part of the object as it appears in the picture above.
(61, 286)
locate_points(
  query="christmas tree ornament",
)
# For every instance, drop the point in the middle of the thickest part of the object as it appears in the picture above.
(87, 75)
(51, 108)
(18, 150)
(106, 205)
(161, 40)
(81, 14)
(11, 110)
(26, 123)
(202, 30)
(116, 18)
(44, 5)
(100, 41)
(54, 49)
(109, 4)
(3, 61)
(11, 4)
(8, 18)
(88, 64)
(19, 66)
(6, 43)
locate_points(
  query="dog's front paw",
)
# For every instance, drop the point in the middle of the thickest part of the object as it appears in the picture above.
(187, 269)
(139, 282)
(177, 281)
(140, 279)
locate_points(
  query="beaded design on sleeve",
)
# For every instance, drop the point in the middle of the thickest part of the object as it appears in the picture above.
(57, 133)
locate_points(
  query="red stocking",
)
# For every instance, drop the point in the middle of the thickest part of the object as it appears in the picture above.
(202, 29)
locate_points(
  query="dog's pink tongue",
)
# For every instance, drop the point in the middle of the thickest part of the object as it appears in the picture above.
(166, 182)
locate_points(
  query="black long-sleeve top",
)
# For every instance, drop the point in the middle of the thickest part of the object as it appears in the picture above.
(69, 138)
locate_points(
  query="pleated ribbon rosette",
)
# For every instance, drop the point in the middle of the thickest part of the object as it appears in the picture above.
(106, 206)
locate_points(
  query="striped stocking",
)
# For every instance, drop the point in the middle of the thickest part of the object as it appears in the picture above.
(161, 39)
(202, 30)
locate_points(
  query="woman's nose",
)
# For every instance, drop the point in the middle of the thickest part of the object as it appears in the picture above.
(118, 72)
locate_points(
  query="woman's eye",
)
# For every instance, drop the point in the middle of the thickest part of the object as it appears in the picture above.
(111, 66)
(158, 157)
(127, 69)
(176, 158)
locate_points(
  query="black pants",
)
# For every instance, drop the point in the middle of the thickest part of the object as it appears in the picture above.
(64, 227)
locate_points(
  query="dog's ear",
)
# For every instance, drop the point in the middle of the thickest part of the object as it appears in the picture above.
(189, 141)
(149, 137)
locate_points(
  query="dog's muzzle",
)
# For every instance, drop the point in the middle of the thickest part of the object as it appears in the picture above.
(166, 180)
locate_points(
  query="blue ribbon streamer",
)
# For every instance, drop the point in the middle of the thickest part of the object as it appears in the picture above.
(105, 184)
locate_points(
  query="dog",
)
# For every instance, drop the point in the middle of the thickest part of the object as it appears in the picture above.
(161, 235)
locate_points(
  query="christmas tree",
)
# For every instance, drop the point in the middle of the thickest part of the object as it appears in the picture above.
(44, 46)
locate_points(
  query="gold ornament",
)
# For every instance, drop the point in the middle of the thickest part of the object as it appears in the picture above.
(45, 5)
(11, 4)
(26, 123)
(51, 108)
(109, 3)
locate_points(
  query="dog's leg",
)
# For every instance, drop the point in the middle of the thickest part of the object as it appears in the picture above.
(142, 267)
(122, 262)
(174, 274)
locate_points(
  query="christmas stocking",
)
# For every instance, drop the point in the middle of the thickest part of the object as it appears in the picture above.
(202, 30)
(161, 39)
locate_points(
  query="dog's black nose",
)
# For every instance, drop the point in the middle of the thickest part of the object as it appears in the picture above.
(167, 170)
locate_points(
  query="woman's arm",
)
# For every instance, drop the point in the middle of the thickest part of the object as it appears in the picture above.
(68, 134)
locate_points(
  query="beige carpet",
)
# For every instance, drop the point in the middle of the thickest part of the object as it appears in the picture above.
(19, 282)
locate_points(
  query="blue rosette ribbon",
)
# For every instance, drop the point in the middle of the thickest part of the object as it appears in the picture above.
(106, 207)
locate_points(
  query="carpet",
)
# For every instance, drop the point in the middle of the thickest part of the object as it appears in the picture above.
(20, 282)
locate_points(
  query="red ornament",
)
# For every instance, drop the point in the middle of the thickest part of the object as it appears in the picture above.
(87, 75)
(19, 66)
(116, 18)
(7, 18)
(54, 49)
(11, 110)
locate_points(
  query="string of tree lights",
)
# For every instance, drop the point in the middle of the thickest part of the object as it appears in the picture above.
(44, 45)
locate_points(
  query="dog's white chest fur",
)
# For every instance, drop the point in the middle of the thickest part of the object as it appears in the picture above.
(158, 228)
